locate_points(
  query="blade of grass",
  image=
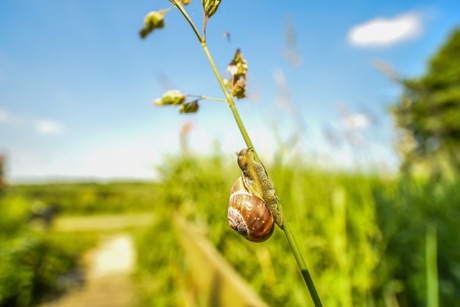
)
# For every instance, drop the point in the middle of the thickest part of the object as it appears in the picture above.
(431, 266)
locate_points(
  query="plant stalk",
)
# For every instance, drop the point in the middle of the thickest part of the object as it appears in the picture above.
(230, 101)
(228, 97)
(209, 98)
(302, 266)
(189, 20)
(287, 230)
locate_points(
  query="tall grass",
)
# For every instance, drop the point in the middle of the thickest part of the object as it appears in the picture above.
(408, 214)
(363, 236)
(32, 261)
(368, 240)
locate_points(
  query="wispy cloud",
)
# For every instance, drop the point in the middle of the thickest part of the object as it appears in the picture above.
(42, 126)
(3, 115)
(380, 32)
(9, 119)
(46, 126)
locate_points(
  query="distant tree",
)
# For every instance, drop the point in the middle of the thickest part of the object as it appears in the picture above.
(428, 114)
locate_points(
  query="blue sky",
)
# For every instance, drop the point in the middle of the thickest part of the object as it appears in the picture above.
(77, 82)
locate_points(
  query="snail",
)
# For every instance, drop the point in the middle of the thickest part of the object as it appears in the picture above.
(253, 206)
(248, 214)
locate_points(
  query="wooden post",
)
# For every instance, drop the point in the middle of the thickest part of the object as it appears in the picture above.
(215, 280)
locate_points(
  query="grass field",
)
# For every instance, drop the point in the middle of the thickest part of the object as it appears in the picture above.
(369, 240)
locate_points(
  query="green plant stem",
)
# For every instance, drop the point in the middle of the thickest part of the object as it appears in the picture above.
(287, 230)
(189, 20)
(228, 97)
(302, 266)
(230, 101)
(210, 98)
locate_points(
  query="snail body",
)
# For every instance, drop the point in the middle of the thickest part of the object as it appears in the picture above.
(248, 214)
(259, 183)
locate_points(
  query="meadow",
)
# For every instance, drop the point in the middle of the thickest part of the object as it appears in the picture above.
(368, 239)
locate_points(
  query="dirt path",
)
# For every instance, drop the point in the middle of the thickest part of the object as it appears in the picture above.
(108, 266)
(108, 277)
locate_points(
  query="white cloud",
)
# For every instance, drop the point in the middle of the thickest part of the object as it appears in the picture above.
(46, 126)
(6, 118)
(357, 121)
(3, 115)
(386, 31)
(119, 159)
(43, 126)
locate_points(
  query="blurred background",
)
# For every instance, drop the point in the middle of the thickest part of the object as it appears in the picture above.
(353, 108)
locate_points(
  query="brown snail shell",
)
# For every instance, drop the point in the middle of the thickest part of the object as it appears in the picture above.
(248, 214)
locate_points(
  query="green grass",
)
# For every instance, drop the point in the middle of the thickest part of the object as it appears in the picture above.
(367, 239)
(363, 235)
(90, 198)
(32, 259)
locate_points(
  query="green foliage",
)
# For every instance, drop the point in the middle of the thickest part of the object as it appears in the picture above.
(160, 275)
(428, 112)
(91, 198)
(161, 263)
(363, 236)
(31, 261)
(333, 217)
(406, 212)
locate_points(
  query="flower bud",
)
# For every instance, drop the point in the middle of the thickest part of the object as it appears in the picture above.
(189, 107)
(152, 21)
(210, 7)
(172, 97)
